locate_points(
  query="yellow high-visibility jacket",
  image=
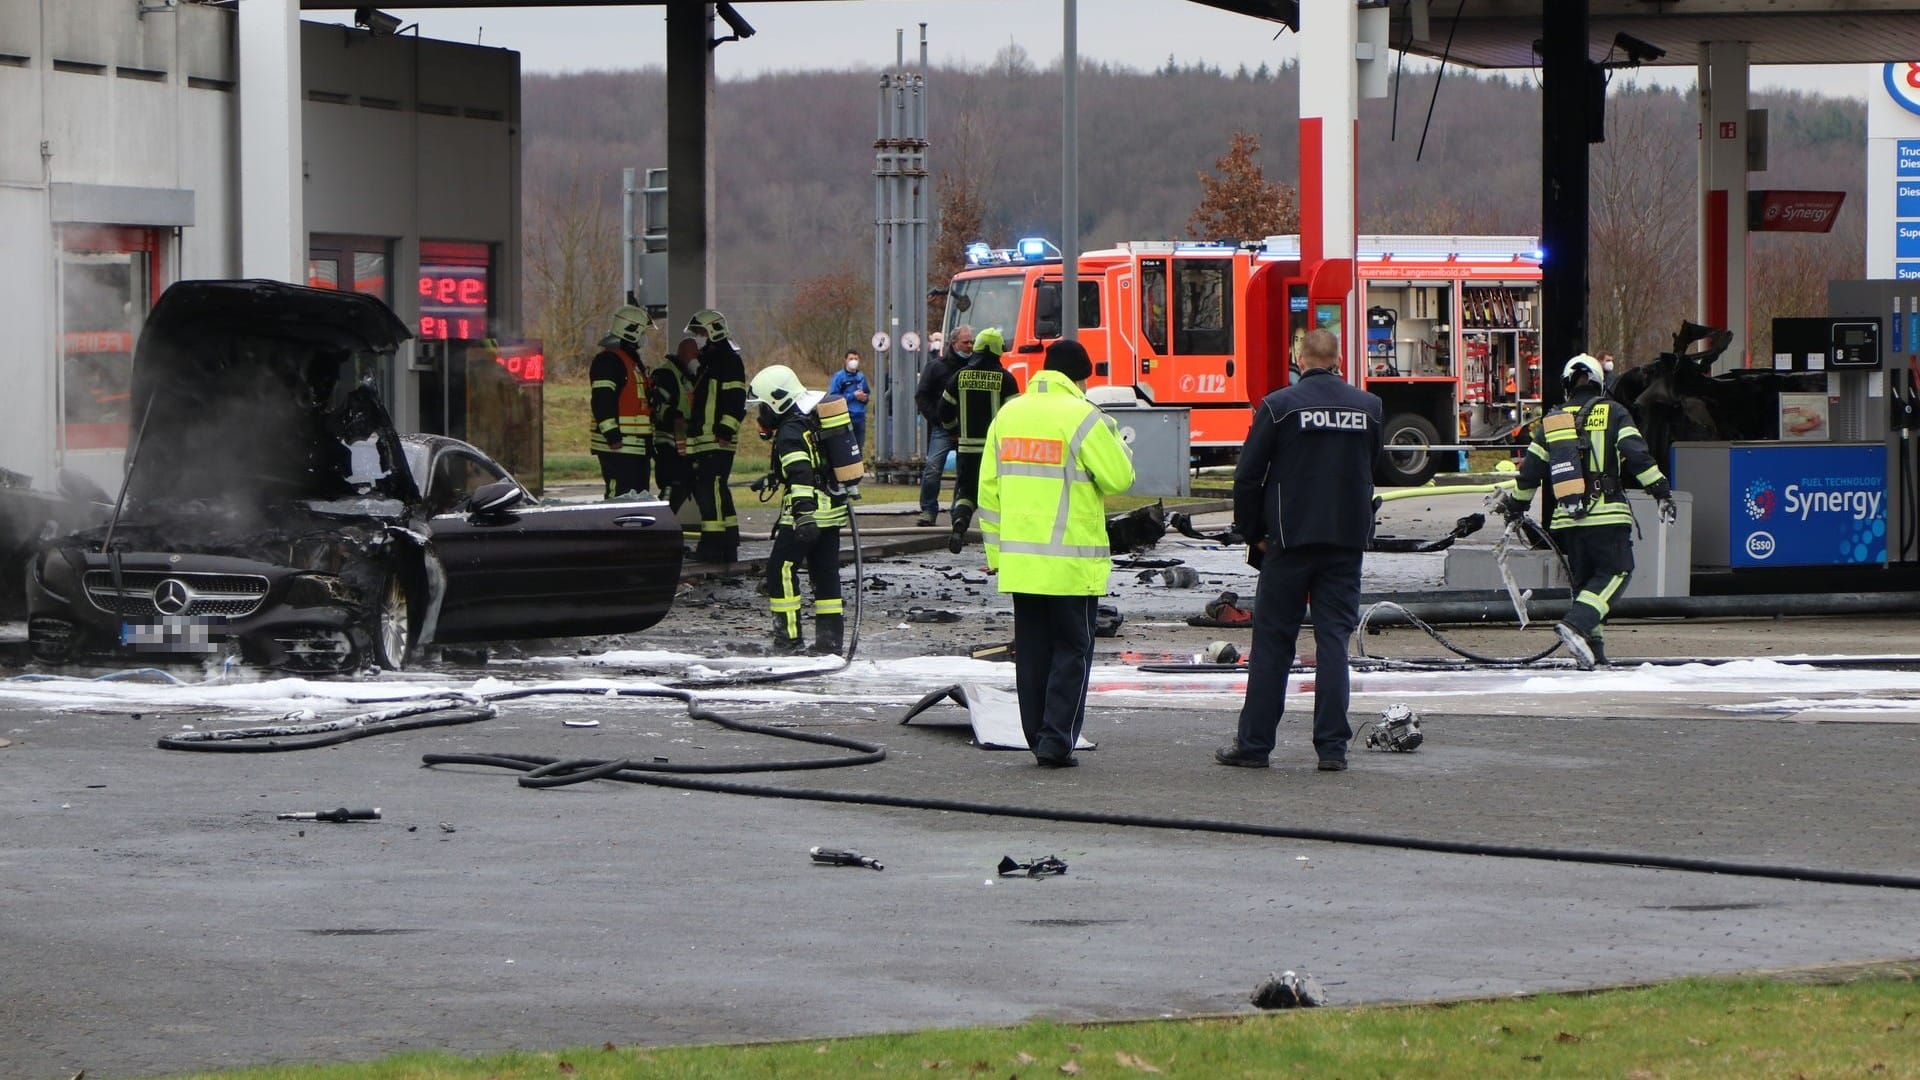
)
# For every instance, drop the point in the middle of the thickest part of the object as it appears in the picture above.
(1050, 458)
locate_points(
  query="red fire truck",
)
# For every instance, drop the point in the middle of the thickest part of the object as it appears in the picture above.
(1452, 330)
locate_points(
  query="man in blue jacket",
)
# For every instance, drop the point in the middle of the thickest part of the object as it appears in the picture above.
(851, 384)
(1303, 500)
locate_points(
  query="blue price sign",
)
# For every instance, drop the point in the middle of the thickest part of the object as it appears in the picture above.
(1906, 199)
(1906, 158)
(1906, 271)
(1906, 240)
(1807, 506)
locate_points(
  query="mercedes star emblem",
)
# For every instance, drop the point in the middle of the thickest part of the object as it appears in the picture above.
(172, 596)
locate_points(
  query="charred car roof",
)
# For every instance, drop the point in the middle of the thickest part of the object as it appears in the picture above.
(260, 391)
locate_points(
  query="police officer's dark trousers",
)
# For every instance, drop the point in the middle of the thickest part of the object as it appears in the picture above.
(1331, 575)
(1599, 562)
(1052, 660)
(719, 524)
(624, 473)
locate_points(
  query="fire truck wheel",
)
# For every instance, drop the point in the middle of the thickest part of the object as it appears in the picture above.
(1407, 461)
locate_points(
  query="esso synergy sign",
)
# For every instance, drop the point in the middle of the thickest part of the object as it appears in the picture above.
(1807, 506)
(1903, 85)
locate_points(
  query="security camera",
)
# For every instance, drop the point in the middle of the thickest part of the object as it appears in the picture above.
(376, 20)
(742, 29)
(1639, 52)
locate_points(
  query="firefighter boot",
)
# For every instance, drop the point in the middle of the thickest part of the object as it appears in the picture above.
(829, 635)
(962, 518)
(784, 645)
(1578, 645)
(1599, 648)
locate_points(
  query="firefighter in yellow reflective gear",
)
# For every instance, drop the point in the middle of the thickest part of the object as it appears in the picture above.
(811, 514)
(972, 398)
(1585, 451)
(1050, 459)
(622, 419)
(719, 405)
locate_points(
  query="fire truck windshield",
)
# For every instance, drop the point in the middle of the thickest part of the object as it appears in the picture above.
(986, 300)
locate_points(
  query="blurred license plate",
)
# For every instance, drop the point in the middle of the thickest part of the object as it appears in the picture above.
(173, 633)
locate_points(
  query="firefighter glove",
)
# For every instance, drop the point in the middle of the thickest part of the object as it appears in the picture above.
(1510, 508)
(614, 439)
(805, 529)
(1669, 513)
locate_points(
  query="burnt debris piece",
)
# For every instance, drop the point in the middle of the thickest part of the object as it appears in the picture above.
(1045, 866)
(836, 857)
(1289, 991)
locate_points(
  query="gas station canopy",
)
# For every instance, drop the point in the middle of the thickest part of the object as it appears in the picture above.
(1504, 33)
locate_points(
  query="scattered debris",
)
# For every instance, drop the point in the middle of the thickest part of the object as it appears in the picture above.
(1183, 524)
(932, 615)
(1289, 991)
(581, 723)
(1397, 729)
(342, 814)
(963, 577)
(1220, 652)
(834, 857)
(1107, 620)
(1223, 610)
(1001, 652)
(1145, 564)
(1040, 867)
(1136, 529)
(1175, 577)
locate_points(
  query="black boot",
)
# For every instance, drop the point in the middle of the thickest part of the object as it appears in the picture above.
(784, 645)
(1599, 648)
(829, 635)
(962, 518)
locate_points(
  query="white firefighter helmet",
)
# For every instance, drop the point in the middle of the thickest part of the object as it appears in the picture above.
(777, 387)
(709, 322)
(1582, 363)
(629, 323)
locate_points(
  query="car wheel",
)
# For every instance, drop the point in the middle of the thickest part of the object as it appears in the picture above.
(392, 627)
(1407, 462)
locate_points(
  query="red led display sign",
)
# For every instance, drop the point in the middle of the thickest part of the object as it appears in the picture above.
(453, 302)
(525, 361)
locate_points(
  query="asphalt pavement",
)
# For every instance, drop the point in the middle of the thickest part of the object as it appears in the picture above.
(155, 917)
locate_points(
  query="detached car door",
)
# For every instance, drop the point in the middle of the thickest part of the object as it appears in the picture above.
(545, 570)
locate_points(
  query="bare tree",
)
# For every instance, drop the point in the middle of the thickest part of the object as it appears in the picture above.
(1640, 261)
(1240, 203)
(960, 193)
(823, 320)
(572, 272)
(1788, 275)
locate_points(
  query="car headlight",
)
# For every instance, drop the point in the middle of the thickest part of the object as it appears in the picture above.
(318, 590)
(320, 554)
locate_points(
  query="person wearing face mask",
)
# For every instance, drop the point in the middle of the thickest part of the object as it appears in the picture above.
(940, 440)
(851, 384)
(719, 405)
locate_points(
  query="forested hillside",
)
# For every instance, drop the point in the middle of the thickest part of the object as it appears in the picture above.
(794, 197)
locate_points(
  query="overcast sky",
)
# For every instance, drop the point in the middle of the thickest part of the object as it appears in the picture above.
(844, 34)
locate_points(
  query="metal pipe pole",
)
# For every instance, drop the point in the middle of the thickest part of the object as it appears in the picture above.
(626, 234)
(1070, 176)
(883, 431)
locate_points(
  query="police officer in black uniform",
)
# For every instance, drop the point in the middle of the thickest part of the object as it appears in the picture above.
(1303, 500)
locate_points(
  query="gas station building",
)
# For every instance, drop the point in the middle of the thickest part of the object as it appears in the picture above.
(121, 172)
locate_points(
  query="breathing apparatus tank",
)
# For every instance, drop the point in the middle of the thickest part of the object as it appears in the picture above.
(837, 443)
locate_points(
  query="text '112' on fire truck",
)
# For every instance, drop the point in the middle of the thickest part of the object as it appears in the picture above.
(1452, 330)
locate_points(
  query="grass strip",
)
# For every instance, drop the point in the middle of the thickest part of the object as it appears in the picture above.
(1704, 1028)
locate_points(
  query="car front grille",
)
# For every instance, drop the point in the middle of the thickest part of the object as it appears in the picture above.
(148, 593)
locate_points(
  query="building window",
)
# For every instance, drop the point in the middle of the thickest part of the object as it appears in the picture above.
(358, 263)
(108, 278)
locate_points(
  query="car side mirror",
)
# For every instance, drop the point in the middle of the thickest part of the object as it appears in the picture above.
(494, 498)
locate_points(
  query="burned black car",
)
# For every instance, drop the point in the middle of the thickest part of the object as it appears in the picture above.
(270, 508)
